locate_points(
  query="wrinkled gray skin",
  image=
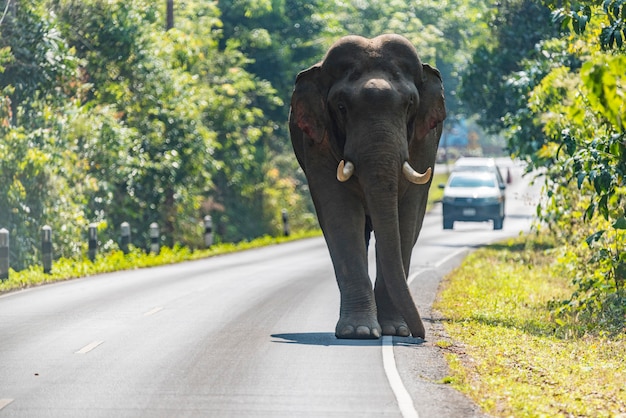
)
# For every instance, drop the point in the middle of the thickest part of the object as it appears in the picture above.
(371, 102)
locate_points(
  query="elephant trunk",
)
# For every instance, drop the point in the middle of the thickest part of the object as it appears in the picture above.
(382, 199)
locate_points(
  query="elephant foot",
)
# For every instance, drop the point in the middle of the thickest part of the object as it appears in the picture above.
(358, 328)
(396, 327)
(390, 319)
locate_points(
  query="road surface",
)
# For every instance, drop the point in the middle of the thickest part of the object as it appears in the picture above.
(247, 334)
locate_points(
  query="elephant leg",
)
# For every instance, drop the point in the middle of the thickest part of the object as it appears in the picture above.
(342, 219)
(390, 319)
(410, 218)
(368, 232)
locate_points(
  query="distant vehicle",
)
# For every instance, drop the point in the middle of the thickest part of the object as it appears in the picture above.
(479, 164)
(473, 196)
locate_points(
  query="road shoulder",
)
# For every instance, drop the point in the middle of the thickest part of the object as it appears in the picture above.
(422, 366)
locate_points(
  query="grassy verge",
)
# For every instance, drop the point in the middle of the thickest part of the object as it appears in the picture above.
(508, 353)
(64, 268)
(435, 194)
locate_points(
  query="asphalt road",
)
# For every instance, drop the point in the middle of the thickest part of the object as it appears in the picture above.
(247, 334)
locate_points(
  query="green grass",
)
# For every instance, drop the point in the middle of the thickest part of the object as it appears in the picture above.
(435, 194)
(506, 352)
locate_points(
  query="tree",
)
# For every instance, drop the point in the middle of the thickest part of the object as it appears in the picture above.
(34, 158)
(106, 117)
(579, 14)
(517, 26)
(575, 109)
(159, 171)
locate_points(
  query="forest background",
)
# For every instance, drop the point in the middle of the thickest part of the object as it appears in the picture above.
(107, 115)
(110, 112)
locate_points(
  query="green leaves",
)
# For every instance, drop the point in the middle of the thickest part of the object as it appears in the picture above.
(620, 223)
(616, 14)
(613, 15)
(497, 82)
(606, 82)
(121, 122)
(571, 126)
(594, 237)
(578, 18)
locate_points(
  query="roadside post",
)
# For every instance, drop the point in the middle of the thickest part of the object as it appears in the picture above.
(208, 231)
(93, 241)
(46, 248)
(285, 215)
(125, 233)
(4, 254)
(154, 238)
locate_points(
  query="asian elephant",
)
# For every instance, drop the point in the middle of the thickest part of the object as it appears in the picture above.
(365, 124)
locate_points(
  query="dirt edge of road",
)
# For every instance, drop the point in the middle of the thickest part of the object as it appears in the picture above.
(421, 364)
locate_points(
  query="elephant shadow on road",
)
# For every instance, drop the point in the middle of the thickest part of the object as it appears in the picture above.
(328, 339)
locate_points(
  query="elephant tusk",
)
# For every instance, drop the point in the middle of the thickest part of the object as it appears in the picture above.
(415, 177)
(344, 171)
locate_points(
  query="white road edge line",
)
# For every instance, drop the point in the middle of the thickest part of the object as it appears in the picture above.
(89, 347)
(5, 402)
(438, 264)
(405, 403)
(451, 256)
(153, 311)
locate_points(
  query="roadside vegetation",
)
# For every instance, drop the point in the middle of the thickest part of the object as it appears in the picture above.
(538, 324)
(563, 112)
(555, 86)
(116, 260)
(515, 350)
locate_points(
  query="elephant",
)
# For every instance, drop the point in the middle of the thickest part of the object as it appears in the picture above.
(365, 124)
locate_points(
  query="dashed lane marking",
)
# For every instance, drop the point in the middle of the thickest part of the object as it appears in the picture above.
(153, 311)
(405, 403)
(5, 402)
(89, 347)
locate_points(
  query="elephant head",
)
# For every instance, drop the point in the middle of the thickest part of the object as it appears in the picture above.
(364, 116)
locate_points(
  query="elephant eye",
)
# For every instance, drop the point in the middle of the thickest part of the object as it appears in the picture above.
(342, 108)
(411, 104)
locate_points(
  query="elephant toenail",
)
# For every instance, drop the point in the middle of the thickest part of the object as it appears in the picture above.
(389, 330)
(346, 331)
(363, 331)
(403, 331)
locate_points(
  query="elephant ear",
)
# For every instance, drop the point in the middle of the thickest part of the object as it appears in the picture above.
(432, 108)
(308, 105)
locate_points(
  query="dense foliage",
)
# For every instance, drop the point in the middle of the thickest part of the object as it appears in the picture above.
(562, 104)
(108, 116)
(516, 27)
